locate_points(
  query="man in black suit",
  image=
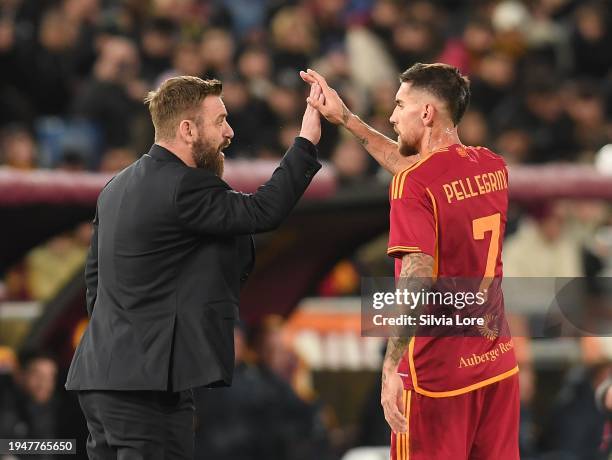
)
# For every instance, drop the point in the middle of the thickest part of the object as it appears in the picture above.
(171, 246)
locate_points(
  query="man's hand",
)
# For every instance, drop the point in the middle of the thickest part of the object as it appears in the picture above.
(392, 401)
(311, 122)
(331, 107)
(384, 150)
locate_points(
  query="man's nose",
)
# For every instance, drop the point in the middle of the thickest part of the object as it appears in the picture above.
(229, 132)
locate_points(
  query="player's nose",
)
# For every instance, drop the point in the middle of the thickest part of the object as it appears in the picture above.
(392, 119)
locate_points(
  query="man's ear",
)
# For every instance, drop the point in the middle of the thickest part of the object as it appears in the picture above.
(428, 114)
(185, 130)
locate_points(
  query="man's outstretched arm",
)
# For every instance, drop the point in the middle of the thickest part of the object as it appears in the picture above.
(206, 204)
(384, 150)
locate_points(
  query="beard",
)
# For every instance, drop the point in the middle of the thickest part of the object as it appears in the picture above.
(406, 149)
(209, 156)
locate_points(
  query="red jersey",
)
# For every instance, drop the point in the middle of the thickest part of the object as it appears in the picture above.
(452, 205)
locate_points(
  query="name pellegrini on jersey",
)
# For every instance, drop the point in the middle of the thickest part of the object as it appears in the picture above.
(479, 184)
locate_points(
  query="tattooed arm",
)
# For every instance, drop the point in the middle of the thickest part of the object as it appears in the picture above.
(416, 275)
(384, 150)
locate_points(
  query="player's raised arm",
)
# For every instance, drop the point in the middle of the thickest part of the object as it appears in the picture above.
(384, 150)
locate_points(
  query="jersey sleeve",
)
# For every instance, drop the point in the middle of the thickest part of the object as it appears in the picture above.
(412, 222)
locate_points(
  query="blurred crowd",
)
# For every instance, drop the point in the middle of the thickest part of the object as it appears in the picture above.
(271, 412)
(31, 405)
(75, 72)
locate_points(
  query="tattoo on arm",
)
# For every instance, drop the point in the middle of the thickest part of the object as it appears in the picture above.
(391, 157)
(383, 149)
(362, 140)
(345, 114)
(417, 265)
(416, 275)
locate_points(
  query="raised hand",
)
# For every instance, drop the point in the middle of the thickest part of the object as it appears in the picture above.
(311, 121)
(331, 107)
(384, 150)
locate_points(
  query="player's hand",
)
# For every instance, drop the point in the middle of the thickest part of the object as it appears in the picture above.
(332, 107)
(311, 122)
(391, 398)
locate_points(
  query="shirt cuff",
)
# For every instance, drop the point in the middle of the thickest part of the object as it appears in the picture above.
(307, 146)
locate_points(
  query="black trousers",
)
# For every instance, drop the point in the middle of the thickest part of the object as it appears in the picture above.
(139, 425)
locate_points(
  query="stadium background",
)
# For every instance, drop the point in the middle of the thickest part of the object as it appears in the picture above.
(73, 75)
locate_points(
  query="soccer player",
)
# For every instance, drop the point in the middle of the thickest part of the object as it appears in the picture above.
(452, 397)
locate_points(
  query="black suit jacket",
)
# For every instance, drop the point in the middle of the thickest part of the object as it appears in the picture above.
(170, 248)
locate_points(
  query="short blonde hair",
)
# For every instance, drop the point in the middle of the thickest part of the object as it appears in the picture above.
(176, 99)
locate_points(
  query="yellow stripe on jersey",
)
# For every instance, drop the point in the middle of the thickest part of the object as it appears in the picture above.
(407, 414)
(401, 186)
(400, 177)
(435, 212)
(392, 188)
(395, 184)
(398, 454)
(403, 434)
(402, 440)
(393, 249)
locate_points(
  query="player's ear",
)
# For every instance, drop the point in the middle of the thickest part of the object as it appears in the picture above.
(427, 116)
